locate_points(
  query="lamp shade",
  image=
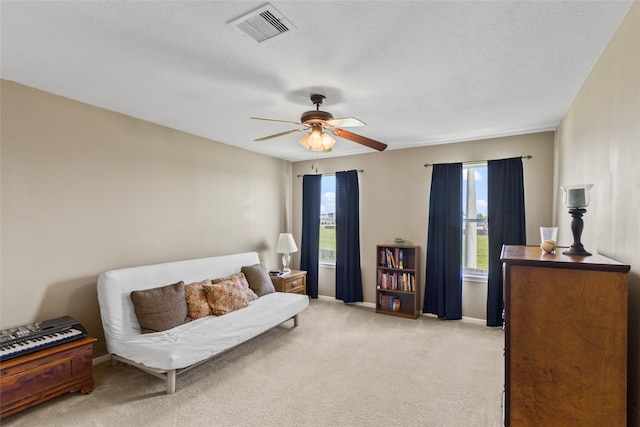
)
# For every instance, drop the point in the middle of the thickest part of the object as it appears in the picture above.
(286, 244)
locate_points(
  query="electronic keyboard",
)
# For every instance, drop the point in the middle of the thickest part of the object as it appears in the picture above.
(22, 340)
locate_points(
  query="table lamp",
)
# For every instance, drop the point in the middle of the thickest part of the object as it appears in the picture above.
(286, 245)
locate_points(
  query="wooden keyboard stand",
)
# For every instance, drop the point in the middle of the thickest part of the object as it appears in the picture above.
(34, 378)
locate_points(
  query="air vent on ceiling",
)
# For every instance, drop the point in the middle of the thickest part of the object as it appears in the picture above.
(263, 23)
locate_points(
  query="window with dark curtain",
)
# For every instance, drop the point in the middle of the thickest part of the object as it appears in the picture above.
(348, 270)
(443, 283)
(506, 225)
(310, 244)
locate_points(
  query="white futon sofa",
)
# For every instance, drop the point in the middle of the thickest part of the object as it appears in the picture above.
(168, 353)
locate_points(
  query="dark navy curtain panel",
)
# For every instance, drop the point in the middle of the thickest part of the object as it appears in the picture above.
(506, 225)
(443, 283)
(309, 247)
(348, 270)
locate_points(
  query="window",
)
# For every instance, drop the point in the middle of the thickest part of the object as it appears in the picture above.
(475, 238)
(328, 220)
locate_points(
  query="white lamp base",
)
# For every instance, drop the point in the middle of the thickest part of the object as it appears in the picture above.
(286, 262)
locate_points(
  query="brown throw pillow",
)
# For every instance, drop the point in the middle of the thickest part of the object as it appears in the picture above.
(258, 278)
(159, 309)
(197, 305)
(225, 297)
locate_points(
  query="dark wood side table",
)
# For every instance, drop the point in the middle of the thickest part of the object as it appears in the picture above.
(34, 378)
(294, 282)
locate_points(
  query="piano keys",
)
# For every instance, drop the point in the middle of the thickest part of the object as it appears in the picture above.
(22, 340)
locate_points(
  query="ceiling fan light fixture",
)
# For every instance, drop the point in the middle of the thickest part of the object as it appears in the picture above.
(316, 140)
(305, 140)
(327, 142)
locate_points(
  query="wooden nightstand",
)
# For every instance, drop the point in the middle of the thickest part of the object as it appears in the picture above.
(295, 282)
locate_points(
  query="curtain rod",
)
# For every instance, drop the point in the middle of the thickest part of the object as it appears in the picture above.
(426, 165)
(329, 173)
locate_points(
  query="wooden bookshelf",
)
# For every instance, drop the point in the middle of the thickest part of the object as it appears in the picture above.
(398, 280)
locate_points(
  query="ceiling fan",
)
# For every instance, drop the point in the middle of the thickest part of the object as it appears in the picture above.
(316, 121)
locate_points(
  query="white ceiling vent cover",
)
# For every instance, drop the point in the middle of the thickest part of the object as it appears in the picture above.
(263, 24)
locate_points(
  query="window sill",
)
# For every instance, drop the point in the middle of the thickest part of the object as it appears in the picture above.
(327, 265)
(475, 278)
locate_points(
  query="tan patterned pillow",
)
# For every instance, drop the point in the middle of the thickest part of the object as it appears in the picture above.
(159, 309)
(196, 296)
(225, 297)
(242, 280)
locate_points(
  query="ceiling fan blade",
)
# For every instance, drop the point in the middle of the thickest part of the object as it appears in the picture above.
(345, 122)
(371, 143)
(264, 138)
(275, 120)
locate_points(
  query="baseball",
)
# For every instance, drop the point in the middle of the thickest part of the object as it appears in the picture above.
(548, 246)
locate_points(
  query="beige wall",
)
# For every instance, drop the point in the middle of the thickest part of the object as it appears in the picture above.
(85, 190)
(598, 142)
(394, 199)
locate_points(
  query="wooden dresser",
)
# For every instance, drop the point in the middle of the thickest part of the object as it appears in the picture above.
(565, 339)
(34, 378)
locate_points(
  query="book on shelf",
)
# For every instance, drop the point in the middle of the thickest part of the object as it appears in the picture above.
(392, 257)
(396, 281)
(407, 282)
(389, 303)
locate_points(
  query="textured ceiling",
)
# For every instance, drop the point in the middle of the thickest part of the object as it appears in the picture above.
(417, 72)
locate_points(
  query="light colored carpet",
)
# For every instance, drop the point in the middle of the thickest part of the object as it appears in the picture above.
(343, 365)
